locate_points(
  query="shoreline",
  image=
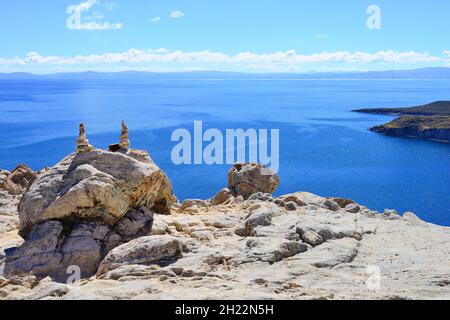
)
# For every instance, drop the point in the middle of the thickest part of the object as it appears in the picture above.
(427, 122)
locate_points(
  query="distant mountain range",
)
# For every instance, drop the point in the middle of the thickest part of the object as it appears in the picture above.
(416, 74)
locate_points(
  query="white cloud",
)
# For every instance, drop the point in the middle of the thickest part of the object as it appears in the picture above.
(322, 36)
(155, 19)
(286, 61)
(74, 21)
(175, 14)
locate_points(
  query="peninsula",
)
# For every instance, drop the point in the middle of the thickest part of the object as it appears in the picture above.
(430, 121)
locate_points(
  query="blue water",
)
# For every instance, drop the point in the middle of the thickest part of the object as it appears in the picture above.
(324, 148)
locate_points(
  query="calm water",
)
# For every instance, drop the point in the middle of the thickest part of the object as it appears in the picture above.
(324, 148)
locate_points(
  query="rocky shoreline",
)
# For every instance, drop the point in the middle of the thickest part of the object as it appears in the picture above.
(112, 216)
(435, 128)
(430, 122)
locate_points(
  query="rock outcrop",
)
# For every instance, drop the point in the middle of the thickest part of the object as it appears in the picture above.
(258, 249)
(430, 121)
(83, 207)
(423, 127)
(96, 212)
(250, 178)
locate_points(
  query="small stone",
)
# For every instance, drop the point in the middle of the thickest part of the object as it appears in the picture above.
(352, 208)
(291, 206)
(391, 214)
(237, 200)
(310, 237)
(188, 273)
(342, 202)
(193, 204)
(261, 196)
(177, 270)
(294, 199)
(279, 202)
(333, 206)
(163, 278)
(222, 196)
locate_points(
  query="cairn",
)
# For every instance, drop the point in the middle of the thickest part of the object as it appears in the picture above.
(83, 145)
(124, 139)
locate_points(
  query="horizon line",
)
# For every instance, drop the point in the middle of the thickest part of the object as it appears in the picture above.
(313, 72)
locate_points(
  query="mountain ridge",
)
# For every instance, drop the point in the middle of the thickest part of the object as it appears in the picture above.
(438, 73)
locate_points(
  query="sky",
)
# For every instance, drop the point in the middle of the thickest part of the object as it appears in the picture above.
(49, 36)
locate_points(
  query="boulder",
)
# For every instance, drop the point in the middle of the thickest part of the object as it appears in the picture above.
(144, 250)
(18, 181)
(96, 186)
(83, 207)
(221, 197)
(250, 178)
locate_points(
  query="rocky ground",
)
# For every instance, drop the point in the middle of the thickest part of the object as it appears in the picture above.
(242, 244)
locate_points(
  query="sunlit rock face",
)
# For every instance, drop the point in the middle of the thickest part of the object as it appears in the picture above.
(87, 204)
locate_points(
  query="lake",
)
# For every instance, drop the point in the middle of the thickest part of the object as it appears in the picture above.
(324, 147)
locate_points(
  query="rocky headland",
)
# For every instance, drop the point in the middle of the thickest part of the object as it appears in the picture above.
(110, 218)
(431, 121)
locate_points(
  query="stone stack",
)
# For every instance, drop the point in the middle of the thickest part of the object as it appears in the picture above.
(124, 139)
(83, 145)
(92, 201)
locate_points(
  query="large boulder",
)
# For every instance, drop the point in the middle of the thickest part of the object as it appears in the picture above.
(96, 186)
(250, 178)
(83, 207)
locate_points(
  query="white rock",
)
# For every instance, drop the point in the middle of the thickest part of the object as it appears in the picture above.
(144, 250)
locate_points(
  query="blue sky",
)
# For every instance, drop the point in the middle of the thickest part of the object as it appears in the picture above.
(229, 35)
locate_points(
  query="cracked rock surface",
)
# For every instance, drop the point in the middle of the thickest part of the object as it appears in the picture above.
(258, 249)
